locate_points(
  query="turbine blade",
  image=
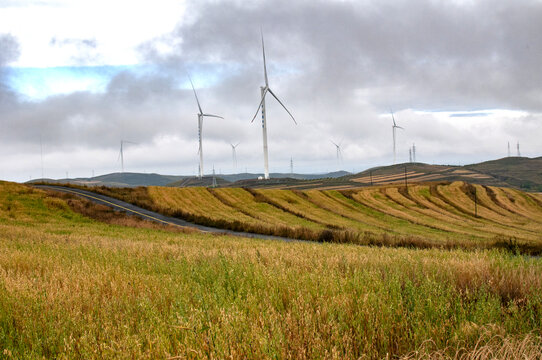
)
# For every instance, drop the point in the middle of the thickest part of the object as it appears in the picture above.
(237, 144)
(196, 95)
(280, 102)
(398, 127)
(334, 143)
(264, 64)
(261, 102)
(211, 115)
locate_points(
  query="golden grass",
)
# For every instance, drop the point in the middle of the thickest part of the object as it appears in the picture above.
(432, 215)
(72, 287)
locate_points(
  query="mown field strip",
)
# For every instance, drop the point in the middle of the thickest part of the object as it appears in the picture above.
(459, 199)
(523, 203)
(199, 202)
(295, 204)
(245, 202)
(431, 218)
(438, 213)
(376, 200)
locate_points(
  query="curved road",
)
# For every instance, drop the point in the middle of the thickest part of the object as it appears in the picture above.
(151, 215)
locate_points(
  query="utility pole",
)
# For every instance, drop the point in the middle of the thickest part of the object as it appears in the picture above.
(371, 173)
(406, 182)
(475, 203)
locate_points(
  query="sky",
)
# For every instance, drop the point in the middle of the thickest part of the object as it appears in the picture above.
(76, 77)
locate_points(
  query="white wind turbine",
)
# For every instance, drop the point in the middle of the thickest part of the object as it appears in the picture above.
(264, 90)
(394, 127)
(121, 154)
(201, 115)
(339, 153)
(234, 155)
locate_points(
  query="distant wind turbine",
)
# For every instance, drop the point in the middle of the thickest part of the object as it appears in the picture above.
(201, 115)
(519, 153)
(264, 90)
(394, 127)
(338, 148)
(234, 155)
(121, 154)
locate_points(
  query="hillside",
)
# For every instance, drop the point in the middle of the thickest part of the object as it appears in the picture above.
(423, 215)
(520, 172)
(515, 172)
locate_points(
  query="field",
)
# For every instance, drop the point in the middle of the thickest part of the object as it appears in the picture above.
(74, 287)
(441, 215)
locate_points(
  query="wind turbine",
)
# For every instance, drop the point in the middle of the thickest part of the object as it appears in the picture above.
(234, 155)
(264, 90)
(394, 127)
(121, 154)
(338, 147)
(201, 115)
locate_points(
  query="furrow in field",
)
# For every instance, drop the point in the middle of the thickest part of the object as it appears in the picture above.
(378, 218)
(247, 203)
(429, 217)
(427, 196)
(521, 203)
(291, 202)
(375, 199)
(322, 200)
(486, 196)
(198, 202)
(454, 194)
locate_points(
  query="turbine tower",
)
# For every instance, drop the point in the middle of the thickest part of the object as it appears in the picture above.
(264, 90)
(394, 127)
(121, 154)
(509, 149)
(201, 115)
(234, 155)
(519, 154)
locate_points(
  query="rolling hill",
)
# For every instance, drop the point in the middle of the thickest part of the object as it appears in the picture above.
(516, 172)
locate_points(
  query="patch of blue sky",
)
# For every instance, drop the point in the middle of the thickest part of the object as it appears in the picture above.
(39, 83)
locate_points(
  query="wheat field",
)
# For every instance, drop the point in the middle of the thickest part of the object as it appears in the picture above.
(442, 215)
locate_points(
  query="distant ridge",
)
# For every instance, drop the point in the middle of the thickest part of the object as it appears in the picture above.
(517, 172)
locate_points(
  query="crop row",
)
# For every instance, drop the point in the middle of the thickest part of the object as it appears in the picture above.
(445, 215)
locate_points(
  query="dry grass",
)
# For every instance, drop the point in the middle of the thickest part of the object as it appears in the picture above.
(71, 287)
(436, 215)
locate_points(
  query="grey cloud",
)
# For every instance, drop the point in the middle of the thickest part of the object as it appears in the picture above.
(337, 65)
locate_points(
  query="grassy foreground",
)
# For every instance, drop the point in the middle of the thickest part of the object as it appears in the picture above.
(72, 287)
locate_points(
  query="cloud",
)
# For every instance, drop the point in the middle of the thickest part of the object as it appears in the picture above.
(337, 65)
(9, 51)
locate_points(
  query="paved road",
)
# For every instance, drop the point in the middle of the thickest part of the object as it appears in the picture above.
(151, 215)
